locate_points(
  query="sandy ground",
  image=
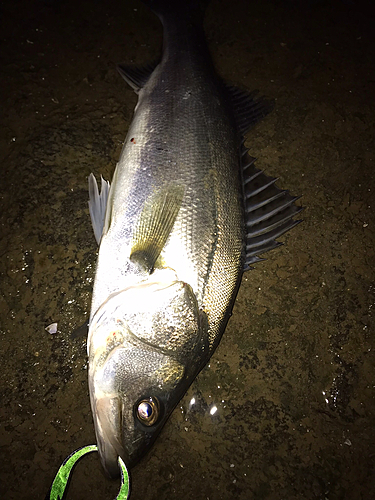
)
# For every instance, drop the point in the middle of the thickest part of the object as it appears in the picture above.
(293, 377)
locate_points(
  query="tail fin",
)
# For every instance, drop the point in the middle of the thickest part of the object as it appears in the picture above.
(192, 10)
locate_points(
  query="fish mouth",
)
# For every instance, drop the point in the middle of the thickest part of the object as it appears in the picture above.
(107, 421)
(111, 432)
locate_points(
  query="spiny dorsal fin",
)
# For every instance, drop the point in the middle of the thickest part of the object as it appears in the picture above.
(155, 225)
(269, 211)
(248, 109)
(136, 76)
(98, 205)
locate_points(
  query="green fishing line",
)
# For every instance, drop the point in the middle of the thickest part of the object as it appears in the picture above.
(62, 477)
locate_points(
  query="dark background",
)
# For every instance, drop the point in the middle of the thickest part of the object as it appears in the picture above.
(293, 377)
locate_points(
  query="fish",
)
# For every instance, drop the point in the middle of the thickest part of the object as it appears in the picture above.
(185, 215)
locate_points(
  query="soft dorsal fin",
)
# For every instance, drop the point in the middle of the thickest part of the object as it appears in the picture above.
(136, 76)
(98, 205)
(248, 108)
(155, 225)
(269, 211)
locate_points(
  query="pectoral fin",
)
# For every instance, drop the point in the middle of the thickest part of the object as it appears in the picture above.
(155, 225)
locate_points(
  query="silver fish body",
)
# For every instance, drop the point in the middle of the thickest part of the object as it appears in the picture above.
(173, 246)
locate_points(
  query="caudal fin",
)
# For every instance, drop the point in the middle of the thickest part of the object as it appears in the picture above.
(190, 9)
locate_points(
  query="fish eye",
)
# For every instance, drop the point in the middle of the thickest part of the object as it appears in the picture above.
(148, 411)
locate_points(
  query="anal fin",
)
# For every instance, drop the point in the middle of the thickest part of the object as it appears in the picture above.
(136, 76)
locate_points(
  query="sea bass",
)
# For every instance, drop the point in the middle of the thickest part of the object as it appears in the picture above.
(186, 213)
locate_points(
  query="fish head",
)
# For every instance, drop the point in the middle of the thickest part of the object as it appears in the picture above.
(146, 344)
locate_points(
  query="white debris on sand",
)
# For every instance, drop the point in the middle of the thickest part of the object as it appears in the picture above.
(52, 328)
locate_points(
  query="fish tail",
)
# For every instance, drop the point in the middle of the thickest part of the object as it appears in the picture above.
(190, 10)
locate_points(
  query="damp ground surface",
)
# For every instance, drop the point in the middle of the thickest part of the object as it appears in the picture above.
(293, 378)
